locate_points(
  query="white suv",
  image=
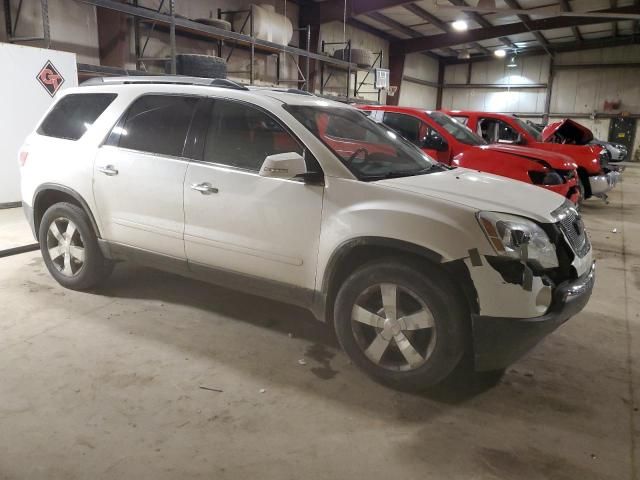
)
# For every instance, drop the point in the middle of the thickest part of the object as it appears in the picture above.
(305, 200)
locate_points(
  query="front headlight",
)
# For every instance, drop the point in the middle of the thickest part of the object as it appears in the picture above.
(518, 238)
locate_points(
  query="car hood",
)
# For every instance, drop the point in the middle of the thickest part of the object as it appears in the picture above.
(482, 191)
(557, 161)
(568, 128)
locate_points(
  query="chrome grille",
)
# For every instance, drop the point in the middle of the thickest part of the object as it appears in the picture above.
(572, 227)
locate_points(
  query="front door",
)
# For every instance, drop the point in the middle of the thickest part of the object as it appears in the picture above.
(420, 134)
(139, 172)
(238, 221)
(623, 130)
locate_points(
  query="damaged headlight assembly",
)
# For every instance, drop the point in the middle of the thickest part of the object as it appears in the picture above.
(518, 238)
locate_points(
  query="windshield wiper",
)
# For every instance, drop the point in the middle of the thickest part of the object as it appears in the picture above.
(405, 173)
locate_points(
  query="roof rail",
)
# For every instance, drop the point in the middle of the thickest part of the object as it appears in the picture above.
(296, 91)
(300, 92)
(164, 79)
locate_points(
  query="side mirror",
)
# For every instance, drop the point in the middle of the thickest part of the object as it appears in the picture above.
(283, 165)
(435, 143)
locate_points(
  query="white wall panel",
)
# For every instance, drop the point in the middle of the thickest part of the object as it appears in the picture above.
(413, 94)
(419, 96)
(24, 102)
(420, 66)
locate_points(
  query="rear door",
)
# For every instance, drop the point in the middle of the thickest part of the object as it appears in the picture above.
(139, 175)
(238, 221)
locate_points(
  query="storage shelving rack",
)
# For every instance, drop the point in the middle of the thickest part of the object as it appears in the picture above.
(350, 68)
(11, 24)
(153, 19)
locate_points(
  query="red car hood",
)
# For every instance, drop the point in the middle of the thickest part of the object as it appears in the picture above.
(557, 161)
(580, 134)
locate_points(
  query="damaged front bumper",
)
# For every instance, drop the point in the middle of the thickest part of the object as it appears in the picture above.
(602, 184)
(500, 341)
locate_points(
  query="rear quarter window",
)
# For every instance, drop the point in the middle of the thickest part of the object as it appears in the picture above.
(72, 116)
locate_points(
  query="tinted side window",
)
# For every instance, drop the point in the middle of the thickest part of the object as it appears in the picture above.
(242, 136)
(407, 126)
(494, 131)
(157, 124)
(432, 136)
(74, 114)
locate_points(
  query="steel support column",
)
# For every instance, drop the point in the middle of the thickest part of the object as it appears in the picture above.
(396, 71)
(439, 91)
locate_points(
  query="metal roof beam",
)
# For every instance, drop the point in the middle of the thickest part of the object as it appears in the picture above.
(334, 10)
(451, 39)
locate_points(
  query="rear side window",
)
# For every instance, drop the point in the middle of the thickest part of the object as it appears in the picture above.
(157, 124)
(72, 116)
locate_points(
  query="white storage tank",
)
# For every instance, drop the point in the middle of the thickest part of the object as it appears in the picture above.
(267, 24)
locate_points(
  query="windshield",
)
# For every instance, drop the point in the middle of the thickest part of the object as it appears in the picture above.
(455, 128)
(530, 129)
(370, 150)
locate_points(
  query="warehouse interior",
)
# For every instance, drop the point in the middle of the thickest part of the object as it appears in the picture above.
(154, 375)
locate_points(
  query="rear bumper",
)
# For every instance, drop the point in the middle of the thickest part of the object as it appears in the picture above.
(498, 342)
(601, 184)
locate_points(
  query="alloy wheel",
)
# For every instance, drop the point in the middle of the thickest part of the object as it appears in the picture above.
(393, 327)
(65, 246)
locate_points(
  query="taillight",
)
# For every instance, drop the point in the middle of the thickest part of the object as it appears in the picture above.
(23, 157)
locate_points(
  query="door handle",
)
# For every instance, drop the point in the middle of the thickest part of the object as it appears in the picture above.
(108, 170)
(204, 188)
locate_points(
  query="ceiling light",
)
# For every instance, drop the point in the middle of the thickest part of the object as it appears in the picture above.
(500, 53)
(460, 25)
(512, 62)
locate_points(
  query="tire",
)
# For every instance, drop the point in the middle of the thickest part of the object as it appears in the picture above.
(196, 65)
(418, 295)
(214, 22)
(583, 184)
(359, 56)
(67, 268)
(582, 193)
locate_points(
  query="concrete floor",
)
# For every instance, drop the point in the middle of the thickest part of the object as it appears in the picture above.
(107, 385)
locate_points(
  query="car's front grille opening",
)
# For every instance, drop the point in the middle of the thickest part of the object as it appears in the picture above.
(572, 227)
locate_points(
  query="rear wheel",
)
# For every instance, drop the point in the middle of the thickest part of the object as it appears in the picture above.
(401, 327)
(70, 248)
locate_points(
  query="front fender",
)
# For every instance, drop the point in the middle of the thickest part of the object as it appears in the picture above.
(441, 230)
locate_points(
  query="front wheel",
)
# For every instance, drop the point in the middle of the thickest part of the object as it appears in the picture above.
(400, 326)
(70, 248)
(582, 193)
